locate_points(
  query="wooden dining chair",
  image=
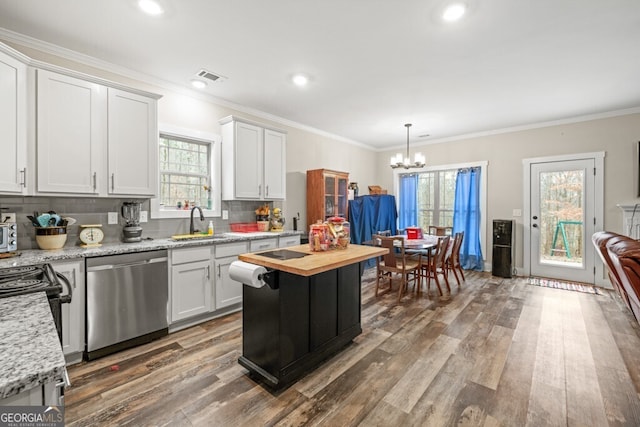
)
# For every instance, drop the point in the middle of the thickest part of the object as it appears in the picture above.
(396, 265)
(434, 265)
(453, 262)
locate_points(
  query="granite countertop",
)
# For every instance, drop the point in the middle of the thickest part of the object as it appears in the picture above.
(37, 256)
(30, 351)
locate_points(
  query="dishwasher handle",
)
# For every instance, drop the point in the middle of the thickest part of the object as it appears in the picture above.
(127, 264)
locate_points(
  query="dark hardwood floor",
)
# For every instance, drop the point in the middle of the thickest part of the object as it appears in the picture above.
(496, 352)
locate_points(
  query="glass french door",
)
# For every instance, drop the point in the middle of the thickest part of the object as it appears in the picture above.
(562, 220)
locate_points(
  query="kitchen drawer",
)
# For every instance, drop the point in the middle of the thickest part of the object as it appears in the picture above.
(263, 244)
(180, 256)
(230, 249)
(287, 241)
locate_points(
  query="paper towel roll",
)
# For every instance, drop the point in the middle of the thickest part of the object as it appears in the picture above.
(247, 273)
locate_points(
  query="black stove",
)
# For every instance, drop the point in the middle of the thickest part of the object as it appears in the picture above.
(15, 281)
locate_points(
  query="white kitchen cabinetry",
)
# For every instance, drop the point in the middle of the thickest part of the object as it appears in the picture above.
(253, 160)
(93, 139)
(286, 241)
(73, 319)
(191, 282)
(132, 144)
(70, 134)
(263, 245)
(228, 291)
(13, 124)
(275, 156)
(46, 394)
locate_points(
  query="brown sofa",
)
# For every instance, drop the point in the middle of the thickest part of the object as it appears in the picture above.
(622, 257)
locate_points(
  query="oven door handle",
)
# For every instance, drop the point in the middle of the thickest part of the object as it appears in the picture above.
(64, 299)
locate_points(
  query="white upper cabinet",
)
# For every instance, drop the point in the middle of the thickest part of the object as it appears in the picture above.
(13, 124)
(247, 161)
(275, 161)
(253, 161)
(132, 144)
(71, 114)
(93, 139)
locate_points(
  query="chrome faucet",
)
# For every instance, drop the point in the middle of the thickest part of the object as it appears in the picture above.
(192, 229)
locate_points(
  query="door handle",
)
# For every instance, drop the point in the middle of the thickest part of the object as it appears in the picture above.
(535, 225)
(535, 217)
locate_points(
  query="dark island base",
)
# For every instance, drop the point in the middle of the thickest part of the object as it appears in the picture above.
(290, 330)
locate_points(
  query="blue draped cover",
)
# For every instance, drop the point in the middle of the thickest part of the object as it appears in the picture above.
(370, 214)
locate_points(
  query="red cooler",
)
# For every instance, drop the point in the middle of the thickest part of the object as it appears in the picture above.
(414, 233)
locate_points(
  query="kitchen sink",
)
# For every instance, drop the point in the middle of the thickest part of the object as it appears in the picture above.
(197, 236)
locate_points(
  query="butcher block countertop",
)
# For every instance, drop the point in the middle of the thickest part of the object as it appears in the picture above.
(314, 262)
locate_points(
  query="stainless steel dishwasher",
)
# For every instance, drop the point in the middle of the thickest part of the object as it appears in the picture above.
(127, 298)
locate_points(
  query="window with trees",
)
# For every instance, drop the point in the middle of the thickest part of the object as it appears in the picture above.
(185, 172)
(189, 172)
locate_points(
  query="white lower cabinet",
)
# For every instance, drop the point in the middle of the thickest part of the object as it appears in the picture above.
(228, 291)
(73, 318)
(286, 241)
(200, 281)
(263, 245)
(47, 394)
(191, 282)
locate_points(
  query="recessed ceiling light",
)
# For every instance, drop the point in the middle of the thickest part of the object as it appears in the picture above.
(454, 12)
(300, 80)
(150, 7)
(198, 84)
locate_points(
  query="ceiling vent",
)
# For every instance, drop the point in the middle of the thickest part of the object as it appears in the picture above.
(210, 76)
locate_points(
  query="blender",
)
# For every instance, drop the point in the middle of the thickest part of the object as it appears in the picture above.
(132, 231)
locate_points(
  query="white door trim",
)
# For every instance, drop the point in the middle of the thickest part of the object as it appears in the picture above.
(598, 158)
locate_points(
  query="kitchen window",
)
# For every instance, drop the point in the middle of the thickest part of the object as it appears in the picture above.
(185, 173)
(189, 173)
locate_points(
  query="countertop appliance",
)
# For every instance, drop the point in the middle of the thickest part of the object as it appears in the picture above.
(127, 299)
(132, 232)
(8, 237)
(16, 281)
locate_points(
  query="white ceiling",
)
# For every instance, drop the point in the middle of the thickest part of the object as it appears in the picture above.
(374, 64)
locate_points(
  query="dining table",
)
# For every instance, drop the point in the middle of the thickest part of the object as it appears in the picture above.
(425, 244)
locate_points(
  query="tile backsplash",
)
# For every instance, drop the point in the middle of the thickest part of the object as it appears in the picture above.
(94, 211)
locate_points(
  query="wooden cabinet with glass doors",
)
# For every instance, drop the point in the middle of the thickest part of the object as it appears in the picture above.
(327, 192)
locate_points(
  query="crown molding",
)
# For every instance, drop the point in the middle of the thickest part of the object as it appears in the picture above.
(538, 125)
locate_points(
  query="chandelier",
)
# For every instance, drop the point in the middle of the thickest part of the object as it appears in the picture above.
(398, 161)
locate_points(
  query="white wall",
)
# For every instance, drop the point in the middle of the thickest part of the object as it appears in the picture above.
(616, 136)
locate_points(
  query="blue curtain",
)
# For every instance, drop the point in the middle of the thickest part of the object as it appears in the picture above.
(370, 214)
(466, 217)
(408, 203)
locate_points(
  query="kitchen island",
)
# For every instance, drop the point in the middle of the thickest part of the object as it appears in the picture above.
(309, 310)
